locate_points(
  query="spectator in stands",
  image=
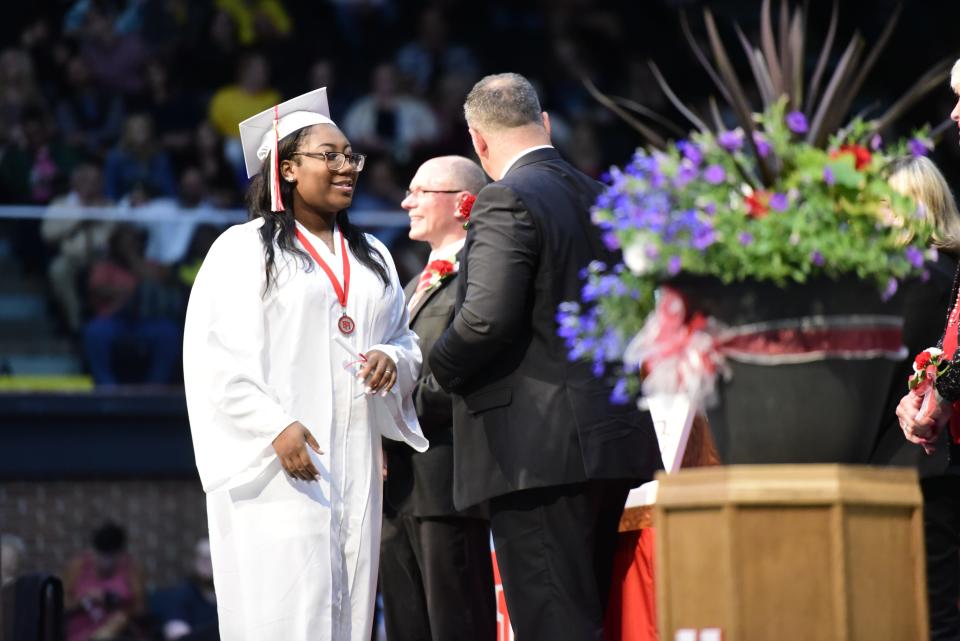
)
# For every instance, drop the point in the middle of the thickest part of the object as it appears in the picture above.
(448, 97)
(138, 159)
(583, 150)
(12, 551)
(90, 118)
(218, 60)
(168, 238)
(219, 177)
(232, 103)
(103, 590)
(175, 113)
(380, 190)
(323, 74)
(117, 60)
(258, 21)
(119, 317)
(79, 240)
(431, 55)
(37, 166)
(203, 239)
(190, 607)
(387, 121)
(19, 90)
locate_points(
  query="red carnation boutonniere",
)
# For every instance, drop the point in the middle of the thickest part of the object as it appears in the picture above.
(463, 209)
(436, 272)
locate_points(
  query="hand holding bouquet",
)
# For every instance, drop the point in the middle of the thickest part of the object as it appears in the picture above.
(928, 365)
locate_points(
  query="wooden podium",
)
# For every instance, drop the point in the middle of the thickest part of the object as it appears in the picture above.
(783, 552)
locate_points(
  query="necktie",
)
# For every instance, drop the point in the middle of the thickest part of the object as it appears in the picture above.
(422, 285)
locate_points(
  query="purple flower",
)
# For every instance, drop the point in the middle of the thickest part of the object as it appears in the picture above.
(690, 151)
(914, 256)
(828, 176)
(876, 142)
(890, 290)
(763, 147)
(745, 238)
(714, 174)
(710, 209)
(817, 258)
(611, 241)
(704, 237)
(779, 202)
(917, 147)
(797, 122)
(619, 395)
(685, 174)
(731, 140)
(925, 276)
(674, 265)
(598, 368)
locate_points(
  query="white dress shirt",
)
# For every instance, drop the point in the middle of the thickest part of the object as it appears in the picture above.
(523, 153)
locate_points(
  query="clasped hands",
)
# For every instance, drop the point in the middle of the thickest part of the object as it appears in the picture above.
(923, 432)
(378, 373)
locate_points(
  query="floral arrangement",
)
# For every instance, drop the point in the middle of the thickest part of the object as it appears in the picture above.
(785, 195)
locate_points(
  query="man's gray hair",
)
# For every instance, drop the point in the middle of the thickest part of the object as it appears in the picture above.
(502, 101)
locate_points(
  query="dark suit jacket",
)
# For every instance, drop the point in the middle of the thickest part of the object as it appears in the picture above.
(421, 483)
(524, 415)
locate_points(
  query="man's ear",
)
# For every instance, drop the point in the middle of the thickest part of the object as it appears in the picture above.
(546, 121)
(479, 143)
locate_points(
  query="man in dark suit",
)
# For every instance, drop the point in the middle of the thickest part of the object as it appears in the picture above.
(534, 433)
(436, 574)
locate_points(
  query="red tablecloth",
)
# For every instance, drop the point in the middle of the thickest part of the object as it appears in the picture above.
(632, 608)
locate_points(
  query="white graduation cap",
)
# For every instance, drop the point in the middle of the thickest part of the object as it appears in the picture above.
(261, 134)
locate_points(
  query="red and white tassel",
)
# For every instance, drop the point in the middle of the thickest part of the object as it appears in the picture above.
(276, 200)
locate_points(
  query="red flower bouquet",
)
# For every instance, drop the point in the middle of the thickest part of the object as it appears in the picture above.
(927, 366)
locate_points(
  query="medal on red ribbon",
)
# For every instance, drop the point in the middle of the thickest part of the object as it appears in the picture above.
(345, 324)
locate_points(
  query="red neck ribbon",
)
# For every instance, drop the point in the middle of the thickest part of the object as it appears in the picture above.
(342, 292)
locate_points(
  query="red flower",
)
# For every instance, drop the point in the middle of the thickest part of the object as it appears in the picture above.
(758, 204)
(441, 267)
(465, 206)
(921, 361)
(861, 155)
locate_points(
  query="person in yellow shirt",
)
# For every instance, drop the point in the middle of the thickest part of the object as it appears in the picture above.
(250, 95)
(234, 103)
(258, 20)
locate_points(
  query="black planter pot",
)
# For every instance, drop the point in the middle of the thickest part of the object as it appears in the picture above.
(824, 410)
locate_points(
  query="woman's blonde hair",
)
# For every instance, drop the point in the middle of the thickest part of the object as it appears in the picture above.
(918, 178)
(955, 77)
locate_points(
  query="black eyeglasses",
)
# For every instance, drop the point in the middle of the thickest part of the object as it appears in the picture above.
(417, 192)
(336, 160)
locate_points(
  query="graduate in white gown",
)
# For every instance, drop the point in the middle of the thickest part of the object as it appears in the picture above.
(288, 313)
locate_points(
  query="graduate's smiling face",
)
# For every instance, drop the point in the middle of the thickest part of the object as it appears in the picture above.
(317, 186)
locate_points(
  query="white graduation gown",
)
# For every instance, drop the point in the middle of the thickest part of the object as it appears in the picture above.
(293, 560)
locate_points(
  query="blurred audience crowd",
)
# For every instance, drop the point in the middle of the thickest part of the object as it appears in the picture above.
(135, 104)
(104, 595)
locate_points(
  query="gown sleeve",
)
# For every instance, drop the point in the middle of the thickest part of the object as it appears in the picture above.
(234, 415)
(401, 344)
